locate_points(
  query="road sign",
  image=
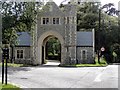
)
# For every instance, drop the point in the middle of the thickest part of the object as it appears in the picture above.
(102, 49)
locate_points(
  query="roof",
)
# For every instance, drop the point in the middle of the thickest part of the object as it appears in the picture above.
(50, 9)
(23, 39)
(84, 38)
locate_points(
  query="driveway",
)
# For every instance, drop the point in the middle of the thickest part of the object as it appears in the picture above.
(51, 76)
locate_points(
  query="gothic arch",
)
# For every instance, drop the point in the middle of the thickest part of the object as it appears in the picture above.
(43, 39)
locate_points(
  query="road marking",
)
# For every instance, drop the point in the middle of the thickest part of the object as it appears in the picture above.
(97, 79)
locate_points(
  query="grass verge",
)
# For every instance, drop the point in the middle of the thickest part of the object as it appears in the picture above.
(8, 87)
(17, 65)
(13, 65)
(103, 63)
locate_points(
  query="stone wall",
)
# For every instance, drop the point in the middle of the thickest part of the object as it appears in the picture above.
(27, 55)
(90, 55)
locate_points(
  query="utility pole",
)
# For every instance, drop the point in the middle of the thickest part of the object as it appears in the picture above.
(99, 31)
(2, 70)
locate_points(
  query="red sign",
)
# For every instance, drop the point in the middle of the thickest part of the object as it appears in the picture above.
(102, 49)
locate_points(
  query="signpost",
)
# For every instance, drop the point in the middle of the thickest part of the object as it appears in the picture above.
(2, 69)
(5, 57)
(102, 50)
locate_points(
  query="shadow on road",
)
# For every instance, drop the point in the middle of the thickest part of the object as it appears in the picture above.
(49, 64)
(12, 70)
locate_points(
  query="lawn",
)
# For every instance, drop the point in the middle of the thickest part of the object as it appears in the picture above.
(13, 65)
(9, 87)
(103, 63)
(16, 65)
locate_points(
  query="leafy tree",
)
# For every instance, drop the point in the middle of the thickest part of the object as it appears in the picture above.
(53, 46)
(111, 28)
(17, 17)
(110, 9)
(87, 16)
(116, 49)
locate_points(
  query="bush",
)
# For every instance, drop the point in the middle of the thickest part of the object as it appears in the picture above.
(115, 48)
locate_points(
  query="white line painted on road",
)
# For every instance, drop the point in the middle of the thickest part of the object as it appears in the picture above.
(97, 79)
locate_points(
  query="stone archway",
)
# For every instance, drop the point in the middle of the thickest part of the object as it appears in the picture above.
(42, 41)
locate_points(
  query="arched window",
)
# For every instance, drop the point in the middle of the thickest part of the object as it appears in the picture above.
(83, 54)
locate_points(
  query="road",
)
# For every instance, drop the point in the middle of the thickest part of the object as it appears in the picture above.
(51, 76)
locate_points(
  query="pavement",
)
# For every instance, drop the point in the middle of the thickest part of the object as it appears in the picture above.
(52, 76)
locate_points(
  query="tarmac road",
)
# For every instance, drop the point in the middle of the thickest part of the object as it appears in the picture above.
(51, 76)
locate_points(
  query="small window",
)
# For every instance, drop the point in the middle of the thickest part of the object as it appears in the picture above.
(53, 20)
(73, 20)
(45, 20)
(68, 20)
(83, 54)
(20, 54)
(56, 21)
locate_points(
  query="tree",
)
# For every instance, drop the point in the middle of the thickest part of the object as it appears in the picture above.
(116, 50)
(110, 27)
(17, 17)
(110, 9)
(87, 16)
(53, 46)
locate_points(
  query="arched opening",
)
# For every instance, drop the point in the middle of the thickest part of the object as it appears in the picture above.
(51, 50)
(42, 44)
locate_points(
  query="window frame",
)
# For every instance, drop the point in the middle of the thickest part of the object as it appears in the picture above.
(23, 54)
(56, 20)
(45, 20)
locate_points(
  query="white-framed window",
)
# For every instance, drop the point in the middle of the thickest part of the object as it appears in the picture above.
(56, 20)
(45, 20)
(19, 54)
(84, 54)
